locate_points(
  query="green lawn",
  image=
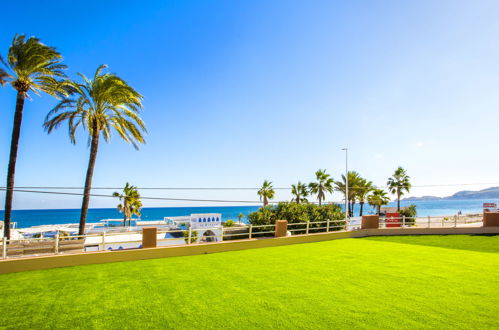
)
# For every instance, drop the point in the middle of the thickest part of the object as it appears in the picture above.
(377, 282)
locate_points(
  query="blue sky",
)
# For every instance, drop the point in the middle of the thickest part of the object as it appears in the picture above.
(236, 92)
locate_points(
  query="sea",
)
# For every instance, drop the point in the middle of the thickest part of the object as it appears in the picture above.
(28, 218)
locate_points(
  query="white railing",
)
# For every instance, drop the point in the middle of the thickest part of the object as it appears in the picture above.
(309, 227)
(429, 222)
(61, 244)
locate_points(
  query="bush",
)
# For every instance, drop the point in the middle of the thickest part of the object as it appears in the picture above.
(410, 214)
(297, 213)
(264, 216)
(228, 223)
(194, 236)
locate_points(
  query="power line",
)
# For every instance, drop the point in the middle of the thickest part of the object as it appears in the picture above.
(141, 197)
(152, 198)
(235, 188)
(145, 188)
(43, 190)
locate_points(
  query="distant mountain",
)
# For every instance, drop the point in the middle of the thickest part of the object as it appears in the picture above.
(422, 198)
(487, 193)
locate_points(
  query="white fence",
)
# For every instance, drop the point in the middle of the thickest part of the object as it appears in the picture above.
(432, 222)
(63, 244)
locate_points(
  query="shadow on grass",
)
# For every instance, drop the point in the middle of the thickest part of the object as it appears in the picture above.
(479, 243)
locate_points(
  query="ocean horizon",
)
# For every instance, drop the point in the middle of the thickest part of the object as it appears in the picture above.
(37, 217)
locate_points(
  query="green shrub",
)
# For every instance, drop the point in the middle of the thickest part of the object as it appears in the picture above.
(410, 214)
(194, 236)
(297, 213)
(228, 223)
(264, 216)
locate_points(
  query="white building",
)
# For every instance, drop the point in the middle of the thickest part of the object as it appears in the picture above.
(207, 225)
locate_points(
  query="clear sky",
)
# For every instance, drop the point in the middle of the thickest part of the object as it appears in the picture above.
(236, 92)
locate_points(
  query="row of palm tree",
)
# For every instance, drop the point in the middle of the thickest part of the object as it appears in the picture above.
(301, 191)
(266, 192)
(98, 105)
(399, 183)
(359, 190)
(323, 185)
(130, 203)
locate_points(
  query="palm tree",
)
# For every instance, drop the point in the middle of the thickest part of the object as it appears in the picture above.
(240, 216)
(300, 192)
(99, 105)
(30, 66)
(353, 181)
(377, 199)
(398, 184)
(131, 203)
(323, 185)
(266, 192)
(362, 190)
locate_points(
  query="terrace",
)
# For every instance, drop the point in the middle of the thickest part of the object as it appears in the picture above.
(62, 240)
(375, 282)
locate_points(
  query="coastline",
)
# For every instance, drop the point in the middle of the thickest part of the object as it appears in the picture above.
(29, 218)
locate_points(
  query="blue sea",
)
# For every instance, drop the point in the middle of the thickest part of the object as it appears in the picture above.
(28, 218)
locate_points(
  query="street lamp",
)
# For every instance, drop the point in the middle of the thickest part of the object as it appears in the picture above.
(346, 184)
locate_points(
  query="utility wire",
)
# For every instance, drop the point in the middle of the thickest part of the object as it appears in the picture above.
(21, 189)
(146, 188)
(42, 190)
(141, 197)
(234, 188)
(152, 198)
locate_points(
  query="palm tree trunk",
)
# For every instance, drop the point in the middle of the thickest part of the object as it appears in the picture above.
(11, 171)
(125, 206)
(398, 200)
(94, 146)
(361, 207)
(379, 209)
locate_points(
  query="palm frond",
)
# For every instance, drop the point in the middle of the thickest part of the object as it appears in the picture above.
(4, 77)
(101, 104)
(34, 67)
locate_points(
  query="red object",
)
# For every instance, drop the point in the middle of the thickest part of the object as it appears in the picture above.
(489, 207)
(393, 219)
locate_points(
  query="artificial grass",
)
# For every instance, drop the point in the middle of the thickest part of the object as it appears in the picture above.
(377, 282)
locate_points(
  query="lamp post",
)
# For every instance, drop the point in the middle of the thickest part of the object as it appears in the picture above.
(346, 184)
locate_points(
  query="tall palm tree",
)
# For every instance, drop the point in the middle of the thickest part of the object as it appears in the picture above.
(131, 203)
(363, 189)
(399, 183)
(377, 199)
(323, 185)
(30, 66)
(353, 181)
(266, 192)
(99, 105)
(300, 192)
(240, 216)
